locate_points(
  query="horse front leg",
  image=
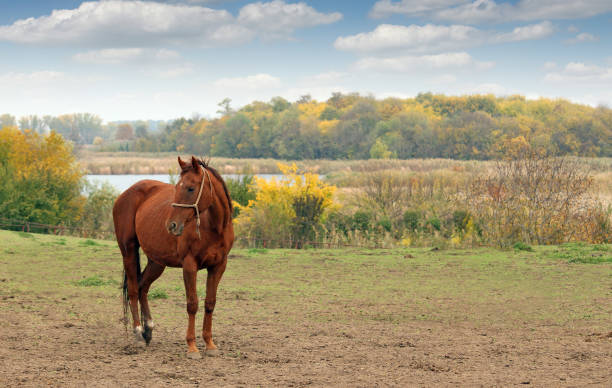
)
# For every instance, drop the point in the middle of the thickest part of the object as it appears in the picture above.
(190, 271)
(212, 282)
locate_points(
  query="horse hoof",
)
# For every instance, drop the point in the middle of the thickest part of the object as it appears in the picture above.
(194, 355)
(147, 336)
(139, 334)
(212, 352)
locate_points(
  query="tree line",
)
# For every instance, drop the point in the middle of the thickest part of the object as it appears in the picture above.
(351, 126)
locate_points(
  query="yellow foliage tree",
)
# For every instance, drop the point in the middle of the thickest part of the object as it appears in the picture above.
(39, 178)
(287, 211)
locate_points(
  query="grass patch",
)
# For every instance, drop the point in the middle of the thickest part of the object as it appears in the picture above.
(157, 293)
(582, 253)
(93, 281)
(89, 243)
(257, 250)
(521, 246)
(25, 234)
(479, 287)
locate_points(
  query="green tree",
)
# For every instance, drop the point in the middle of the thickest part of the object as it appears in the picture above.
(40, 180)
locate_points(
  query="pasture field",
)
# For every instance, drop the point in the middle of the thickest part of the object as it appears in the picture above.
(338, 317)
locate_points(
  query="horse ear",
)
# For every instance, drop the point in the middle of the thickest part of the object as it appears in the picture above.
(194, 163)
(181, 163)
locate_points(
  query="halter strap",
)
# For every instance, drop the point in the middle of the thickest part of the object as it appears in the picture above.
(195, 205)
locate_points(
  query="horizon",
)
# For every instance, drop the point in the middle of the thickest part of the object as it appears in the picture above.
(127, 60)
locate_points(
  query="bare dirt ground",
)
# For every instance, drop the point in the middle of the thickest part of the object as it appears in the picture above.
(47, 349)
(319, 318)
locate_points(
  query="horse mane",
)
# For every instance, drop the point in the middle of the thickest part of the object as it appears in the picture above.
(206, 164)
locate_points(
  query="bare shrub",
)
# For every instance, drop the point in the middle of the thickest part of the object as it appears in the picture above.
(411, 207)
(536, 199)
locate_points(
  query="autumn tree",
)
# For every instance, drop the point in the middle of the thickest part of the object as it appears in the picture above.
(350, 126)
(40, 180)
(125, 132)
(7, 120)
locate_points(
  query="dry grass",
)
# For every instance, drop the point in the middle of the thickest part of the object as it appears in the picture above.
(160, 163)
(346, 174)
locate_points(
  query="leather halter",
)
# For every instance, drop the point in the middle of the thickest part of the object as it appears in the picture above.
(195, 205)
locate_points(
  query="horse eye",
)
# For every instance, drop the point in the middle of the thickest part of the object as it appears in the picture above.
(190, 189)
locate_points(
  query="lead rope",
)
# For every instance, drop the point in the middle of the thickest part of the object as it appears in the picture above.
(195, 205)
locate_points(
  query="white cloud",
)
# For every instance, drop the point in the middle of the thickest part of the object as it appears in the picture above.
(444, 79)
(475, 12)
(257, 81)
(582, 37)
(435, 38)
(135, 23)
(409, 62)
(325, 78)
(580, 72)
(412, 38)
(530, 32)
(129, 23)
(385, 8)
(549, 65)
(165, 54)
(277, 18)
(481, 11)
(173, 72)
(36, 77)
(115, 56)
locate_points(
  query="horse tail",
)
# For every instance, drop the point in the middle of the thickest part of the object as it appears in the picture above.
(126, 298)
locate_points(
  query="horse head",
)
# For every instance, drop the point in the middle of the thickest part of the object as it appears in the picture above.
(193, 194)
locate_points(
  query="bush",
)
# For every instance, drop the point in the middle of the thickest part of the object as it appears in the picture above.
(536, 199)
(362, 221)
(412, 220)
(288, 212)
(460, 220)
(434, 223)
(241, 191)
(339, 223)
(384, 224)
(97, 213)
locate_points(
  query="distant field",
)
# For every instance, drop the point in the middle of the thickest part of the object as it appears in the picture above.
(343, 317)
(161, 163)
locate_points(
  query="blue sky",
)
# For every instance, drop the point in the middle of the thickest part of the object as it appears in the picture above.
(124, 59)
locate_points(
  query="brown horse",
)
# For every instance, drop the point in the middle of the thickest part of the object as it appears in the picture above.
(188, 226)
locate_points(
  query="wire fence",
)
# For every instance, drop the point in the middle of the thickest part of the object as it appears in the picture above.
(58, 230)
(243, 242)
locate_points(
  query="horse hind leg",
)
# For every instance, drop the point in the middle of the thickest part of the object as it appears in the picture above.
(131, 267)
(151, 273)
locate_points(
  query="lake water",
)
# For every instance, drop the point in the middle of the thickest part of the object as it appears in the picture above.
(122, 182)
